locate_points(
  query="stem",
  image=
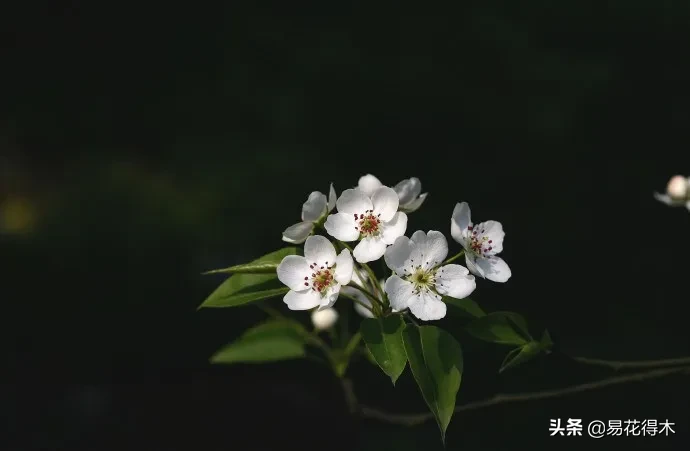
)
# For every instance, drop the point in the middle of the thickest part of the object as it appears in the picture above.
(352, 345)
(409, 317)
(620, 365)
(368, 294)
(357, 301)
(452, 259)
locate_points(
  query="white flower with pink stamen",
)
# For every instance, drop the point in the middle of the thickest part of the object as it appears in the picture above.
(482, 242)
(315, 279)
(313, 210)
(374, 221)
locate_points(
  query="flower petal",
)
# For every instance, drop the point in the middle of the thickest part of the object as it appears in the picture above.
(385, 202)
(363, 311)
(369, 249)
(297, 233)
(343, 267)
(414, 205)
(394, 228)
(319, 250)
(492, 230)
(332, 197)
(302, 300)
(470, 261)
(429, 249)
(292, 270)
(493, 268)
(398, 254)
(353, 201)
(408, 190)
(314, 207)
(455, 281)
(342, 226)
(329, 297)
(460, 221)
(428, 306)
(368, 184)
(400, 292)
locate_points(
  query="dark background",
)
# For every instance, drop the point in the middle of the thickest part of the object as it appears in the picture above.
(141, 145)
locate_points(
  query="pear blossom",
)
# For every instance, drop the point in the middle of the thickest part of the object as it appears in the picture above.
(375, 221)
(313, 210)
(315, 279)
(359, 278)
(481, 243)
(419, 281)
(677, 192)
(408, 191)
(324, 319)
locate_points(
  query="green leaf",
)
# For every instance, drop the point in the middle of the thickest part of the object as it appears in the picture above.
(436, 361)
(527, 352)
(240, 289)
(501, 327)
(383, 337)
(466, 307)
(264, 265)
(269, 342)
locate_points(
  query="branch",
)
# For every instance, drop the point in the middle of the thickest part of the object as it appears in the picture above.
(620, 365)
(415, 419)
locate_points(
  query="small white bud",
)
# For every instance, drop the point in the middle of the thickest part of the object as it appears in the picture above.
(324, 319)
(677, 187)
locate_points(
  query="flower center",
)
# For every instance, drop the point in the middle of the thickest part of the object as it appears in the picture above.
(322, 278)
(480, 244)
(423, 280)
(369, 224)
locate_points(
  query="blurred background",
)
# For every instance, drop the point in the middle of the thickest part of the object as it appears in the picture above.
(141, 145)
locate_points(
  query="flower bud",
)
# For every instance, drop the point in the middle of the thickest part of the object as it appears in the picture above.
(324, 319)
(677, 187)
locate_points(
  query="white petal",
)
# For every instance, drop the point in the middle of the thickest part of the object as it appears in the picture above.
(353, 201)
(399, 292)
(292, 270)
(302, 300)
(343, 267)
(332, 197)
(668, 200)
(687, 205)
(470, 260)
(428, 307)
(324, 319)
(394, 228)
(368, 184)
(397, 254)
(342, 226)
(314, 207)
(385, 203)
(494, 268)
(329, 297)
(455, 281)
(414, 205)
(459, 222)
(493, 230)
(318, 250)
(363, 311)
(297, 233)
(429, 249)
(358, 278)
(408, 190)
(369, 249)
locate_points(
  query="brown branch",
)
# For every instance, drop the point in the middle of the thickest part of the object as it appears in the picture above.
(415, 419)
(620, 365)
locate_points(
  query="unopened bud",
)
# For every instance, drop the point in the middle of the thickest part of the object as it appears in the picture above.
(677, 187)
(324, 319)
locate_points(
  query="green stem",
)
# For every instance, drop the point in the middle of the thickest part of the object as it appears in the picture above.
(352, 345)
(452, 259)
(357, 301)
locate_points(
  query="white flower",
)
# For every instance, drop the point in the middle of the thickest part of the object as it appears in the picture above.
(374, 221)
(315, 279)
(418, 283)
(313, 210)
(481, 243)
(408, 191)
(677, 192)
(358, 278)
(324, 319)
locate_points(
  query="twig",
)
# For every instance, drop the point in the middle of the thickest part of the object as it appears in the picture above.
(620, 365)
(415, 419)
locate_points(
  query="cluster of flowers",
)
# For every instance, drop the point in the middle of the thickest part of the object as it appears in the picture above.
(677, 192)
(375, 217)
